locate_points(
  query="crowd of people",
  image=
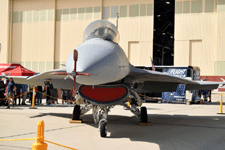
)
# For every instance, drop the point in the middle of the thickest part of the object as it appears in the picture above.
(17, 94)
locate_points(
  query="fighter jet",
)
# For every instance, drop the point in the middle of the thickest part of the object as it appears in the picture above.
(101, 71)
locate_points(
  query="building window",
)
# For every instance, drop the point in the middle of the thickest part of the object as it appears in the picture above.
(123, 11)
(209, 6)
(221, 6)
(16, 17)
(81, 12)
(106, 12)
(114, 10)
(97, 12)
(51, 14)
(43, 15)
(22, 16)
(149, 9)
(36, 16)
(29, 16)
(143, 10)
(89, 11)
(66, 13)
(133, 10)
(196, 6)
(186, 7)
(73, 14)
(178, 8)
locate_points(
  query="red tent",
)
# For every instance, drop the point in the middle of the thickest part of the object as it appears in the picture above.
(15, 70)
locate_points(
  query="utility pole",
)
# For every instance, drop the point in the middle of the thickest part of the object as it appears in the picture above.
(117, 18)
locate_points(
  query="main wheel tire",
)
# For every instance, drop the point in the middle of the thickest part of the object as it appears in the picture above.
(103, 129)
(144, 115)
(76, 112)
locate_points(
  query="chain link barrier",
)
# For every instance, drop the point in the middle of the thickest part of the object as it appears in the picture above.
(60, 145)
(28, 139)
(39, 144)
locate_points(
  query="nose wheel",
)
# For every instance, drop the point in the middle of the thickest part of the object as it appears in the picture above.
(102, 125)
(103, 128)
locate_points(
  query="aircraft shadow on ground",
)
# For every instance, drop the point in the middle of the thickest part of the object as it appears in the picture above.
(69, 116)
(168, 131)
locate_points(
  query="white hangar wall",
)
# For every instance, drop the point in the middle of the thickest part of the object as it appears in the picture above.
(40, 34)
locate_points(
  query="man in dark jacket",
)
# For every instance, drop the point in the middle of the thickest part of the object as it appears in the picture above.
(17, 92)
(39, 95)
(10, 90)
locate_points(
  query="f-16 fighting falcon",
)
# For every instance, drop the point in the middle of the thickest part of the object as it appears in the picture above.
(100, 75)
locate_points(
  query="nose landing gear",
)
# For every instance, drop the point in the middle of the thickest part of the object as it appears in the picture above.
(102, 125)
(103, 128)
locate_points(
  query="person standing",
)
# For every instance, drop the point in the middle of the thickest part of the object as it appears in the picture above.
(17, 93)
(39, 95)
(10, 89)
(51, 93)
(24, 93)
(31, 94)
(55, 95)
(198, 97)
(47, 92)
(210, 92)
(2, 92)
(205, 95)
(65, 94)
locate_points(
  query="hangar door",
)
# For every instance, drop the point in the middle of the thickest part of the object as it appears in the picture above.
(133, 53)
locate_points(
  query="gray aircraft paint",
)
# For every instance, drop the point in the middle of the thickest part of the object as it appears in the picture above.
(104, 60)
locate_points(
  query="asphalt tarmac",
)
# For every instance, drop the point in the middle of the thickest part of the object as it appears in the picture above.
(174, 127)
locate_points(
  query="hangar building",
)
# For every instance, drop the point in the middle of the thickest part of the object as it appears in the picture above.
(40, 34)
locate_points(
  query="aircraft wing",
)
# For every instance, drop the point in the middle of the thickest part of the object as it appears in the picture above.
(162, 82)
(58, 81)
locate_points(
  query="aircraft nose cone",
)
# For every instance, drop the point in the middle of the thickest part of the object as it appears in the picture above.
(91, 57)
(98, 58)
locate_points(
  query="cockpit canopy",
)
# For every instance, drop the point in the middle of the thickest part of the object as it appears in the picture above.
(102, 29)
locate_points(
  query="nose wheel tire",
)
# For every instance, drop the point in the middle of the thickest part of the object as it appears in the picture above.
(144, 115)
(103, 129)
(76, 112)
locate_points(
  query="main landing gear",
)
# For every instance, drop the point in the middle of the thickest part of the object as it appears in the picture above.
(81, 108)
(133, 104)
(144, 115)
(76, 112)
